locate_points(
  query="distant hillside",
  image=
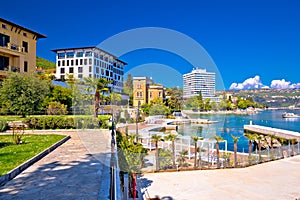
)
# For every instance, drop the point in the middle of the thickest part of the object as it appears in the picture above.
(44, 64)
(274, 98)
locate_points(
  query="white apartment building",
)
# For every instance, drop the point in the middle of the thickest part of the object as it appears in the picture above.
(89, 62)
(199, 80)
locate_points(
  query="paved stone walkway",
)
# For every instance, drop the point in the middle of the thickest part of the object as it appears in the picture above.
(274, 180)
(78, 169)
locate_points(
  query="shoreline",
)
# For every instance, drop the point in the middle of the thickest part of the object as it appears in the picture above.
(236, 112)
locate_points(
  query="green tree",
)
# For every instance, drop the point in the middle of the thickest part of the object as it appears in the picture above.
(175, 100)
(235, 140)
(251, 137)
(181, 158)
(44, 64)
(23, 94)
(218, 140)
(281, 141)
(172, 137)
(195, 139)
(128, 85)
(207, 105)
(98, 85)
(156, 138)
(59, 94)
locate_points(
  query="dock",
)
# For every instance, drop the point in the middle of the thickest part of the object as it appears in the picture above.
(264, 130)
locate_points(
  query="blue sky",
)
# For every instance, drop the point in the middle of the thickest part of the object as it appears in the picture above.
(245, 39)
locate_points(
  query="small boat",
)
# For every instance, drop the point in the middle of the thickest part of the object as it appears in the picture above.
(290, 115)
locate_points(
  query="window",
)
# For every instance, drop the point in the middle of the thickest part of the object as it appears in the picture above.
(72, 62)
(81, 61)
(90, 68)
(4, 39)
(139, 94)
(106, 72)
(4, 62)
(63, 63)
(88, 54)
(62, 77)
(85, 61)
(4, 26)
(71, 70)
(151, 95)
(79, 54)
(25, 46)
(70, 54)
(90, 61)
(80, 69)
(97, 70)
(79, 75)
(68, 62)
(24, 34)
(62, 70)
(25, 66)
(76, 62)
(111, 74)
(90, 75)
(58, 63)
(61, 55)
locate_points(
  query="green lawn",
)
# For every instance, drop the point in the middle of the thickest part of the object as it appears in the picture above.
(12, 155)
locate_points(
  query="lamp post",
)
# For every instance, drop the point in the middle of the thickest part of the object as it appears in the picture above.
(137, 120)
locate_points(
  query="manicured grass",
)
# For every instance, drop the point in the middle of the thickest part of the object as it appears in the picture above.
(12, 155)
(11, 118)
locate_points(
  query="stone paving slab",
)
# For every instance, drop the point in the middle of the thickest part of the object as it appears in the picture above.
(76, 170)
(274, 180)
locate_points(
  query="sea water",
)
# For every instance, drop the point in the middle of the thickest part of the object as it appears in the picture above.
(233, 124)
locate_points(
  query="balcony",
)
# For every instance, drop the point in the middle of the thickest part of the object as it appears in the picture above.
(13, 49)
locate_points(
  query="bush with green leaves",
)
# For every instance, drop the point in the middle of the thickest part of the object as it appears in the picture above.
(3, 125)
(56, 108)
(62, 122)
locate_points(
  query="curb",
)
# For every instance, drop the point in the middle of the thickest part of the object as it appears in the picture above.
(13, 173)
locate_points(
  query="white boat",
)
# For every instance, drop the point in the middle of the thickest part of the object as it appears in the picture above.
(290, 115)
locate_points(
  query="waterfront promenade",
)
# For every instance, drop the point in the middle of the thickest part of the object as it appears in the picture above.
(78, 169)
(273, 180)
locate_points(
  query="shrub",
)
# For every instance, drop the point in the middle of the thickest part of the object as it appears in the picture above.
(62, 122)
(3, 125)
(56, 108)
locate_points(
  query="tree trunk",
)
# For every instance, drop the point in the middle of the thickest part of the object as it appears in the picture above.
(293, 147)
(157, 154)
(195, 156)
(96, 103)
(259, 150)
(235, 154)
(200, 161)
(173, 153)
(218, 155)
(249, 148)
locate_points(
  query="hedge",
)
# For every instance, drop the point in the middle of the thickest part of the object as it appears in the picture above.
(64, 122)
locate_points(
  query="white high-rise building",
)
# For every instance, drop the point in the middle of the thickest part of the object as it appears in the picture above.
(199, 80)
(89, 62)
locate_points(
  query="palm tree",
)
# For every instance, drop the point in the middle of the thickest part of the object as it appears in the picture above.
(172, 137)
(235, 140)
(259, 139)
(281, 140)
(272, 138)
(251, 137)
(218, 140)
(156, 138)
(195, 139)
(99, 85)
(182, 156)
(293, 141)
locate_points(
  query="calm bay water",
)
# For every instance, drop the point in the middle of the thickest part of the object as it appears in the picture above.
(234, 125)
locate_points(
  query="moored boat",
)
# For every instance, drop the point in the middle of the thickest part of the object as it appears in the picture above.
(290, 115)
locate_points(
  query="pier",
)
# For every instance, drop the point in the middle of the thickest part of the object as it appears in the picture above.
(264, 130)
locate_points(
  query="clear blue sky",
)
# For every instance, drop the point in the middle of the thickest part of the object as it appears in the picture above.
(245, 38)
